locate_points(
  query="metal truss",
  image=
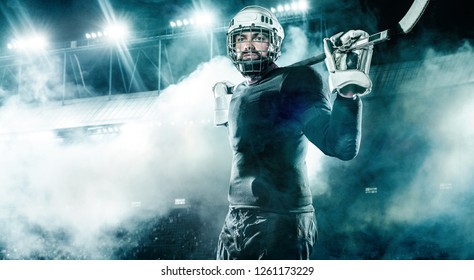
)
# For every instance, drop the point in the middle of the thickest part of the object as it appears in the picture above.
(87, 68)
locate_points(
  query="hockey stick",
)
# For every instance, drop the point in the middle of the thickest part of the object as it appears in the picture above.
(404, 26)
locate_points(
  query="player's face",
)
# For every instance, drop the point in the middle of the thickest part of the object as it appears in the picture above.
(251, 45)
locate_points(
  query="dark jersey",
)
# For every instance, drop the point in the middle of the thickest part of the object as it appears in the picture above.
(270, 123)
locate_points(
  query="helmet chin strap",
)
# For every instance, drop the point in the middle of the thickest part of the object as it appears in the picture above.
(253, 67)
(255, 76)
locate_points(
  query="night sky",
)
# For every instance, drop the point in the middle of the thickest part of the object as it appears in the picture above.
(444, 21)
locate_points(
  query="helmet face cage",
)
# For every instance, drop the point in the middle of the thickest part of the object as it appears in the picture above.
(265, 56)
(255, 20)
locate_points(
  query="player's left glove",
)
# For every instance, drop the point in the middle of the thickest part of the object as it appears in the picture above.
(348, 69)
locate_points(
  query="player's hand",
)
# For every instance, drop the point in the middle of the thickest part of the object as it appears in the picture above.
(222, 94)
(348, 69)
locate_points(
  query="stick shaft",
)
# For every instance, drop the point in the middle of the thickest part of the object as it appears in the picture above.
(310, 61)
(404, 26)
(371, 40)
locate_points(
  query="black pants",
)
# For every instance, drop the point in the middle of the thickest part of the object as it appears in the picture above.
(250, 234)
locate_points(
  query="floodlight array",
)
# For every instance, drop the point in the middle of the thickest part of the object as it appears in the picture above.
(203, 19)
(118, 31)
(293, 7)
(28, 43)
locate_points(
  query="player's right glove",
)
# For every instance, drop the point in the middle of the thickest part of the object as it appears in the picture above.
(348, 69)
(222, 95)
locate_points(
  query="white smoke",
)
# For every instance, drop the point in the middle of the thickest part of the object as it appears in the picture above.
(444, 108)
(296, 46)
(76, 192)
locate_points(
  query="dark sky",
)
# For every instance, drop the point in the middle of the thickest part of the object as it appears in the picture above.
(67, 20)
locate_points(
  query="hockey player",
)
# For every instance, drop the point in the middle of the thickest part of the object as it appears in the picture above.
(270, 118)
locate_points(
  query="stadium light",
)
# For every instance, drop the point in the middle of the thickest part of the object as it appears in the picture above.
(117, 31)
(293, 7)
(113, 32)
(200, 19)
(28, 43)
(303, 6)
(204, 18)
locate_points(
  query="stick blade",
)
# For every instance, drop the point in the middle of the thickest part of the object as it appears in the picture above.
(416, 10)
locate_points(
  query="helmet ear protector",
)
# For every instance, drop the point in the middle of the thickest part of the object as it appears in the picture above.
(255, 19)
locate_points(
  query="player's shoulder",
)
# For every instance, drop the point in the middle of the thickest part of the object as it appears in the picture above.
(296, 74)
(239, 88)
(301, 71)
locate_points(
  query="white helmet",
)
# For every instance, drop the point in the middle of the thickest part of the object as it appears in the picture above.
(260, 20)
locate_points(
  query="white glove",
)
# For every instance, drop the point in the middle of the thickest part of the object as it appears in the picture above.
(348, 69)
(222, 95)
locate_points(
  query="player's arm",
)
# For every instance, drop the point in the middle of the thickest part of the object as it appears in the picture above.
(337, 131)
(222, 95)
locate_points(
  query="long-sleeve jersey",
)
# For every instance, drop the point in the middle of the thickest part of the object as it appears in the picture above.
(270, 123)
